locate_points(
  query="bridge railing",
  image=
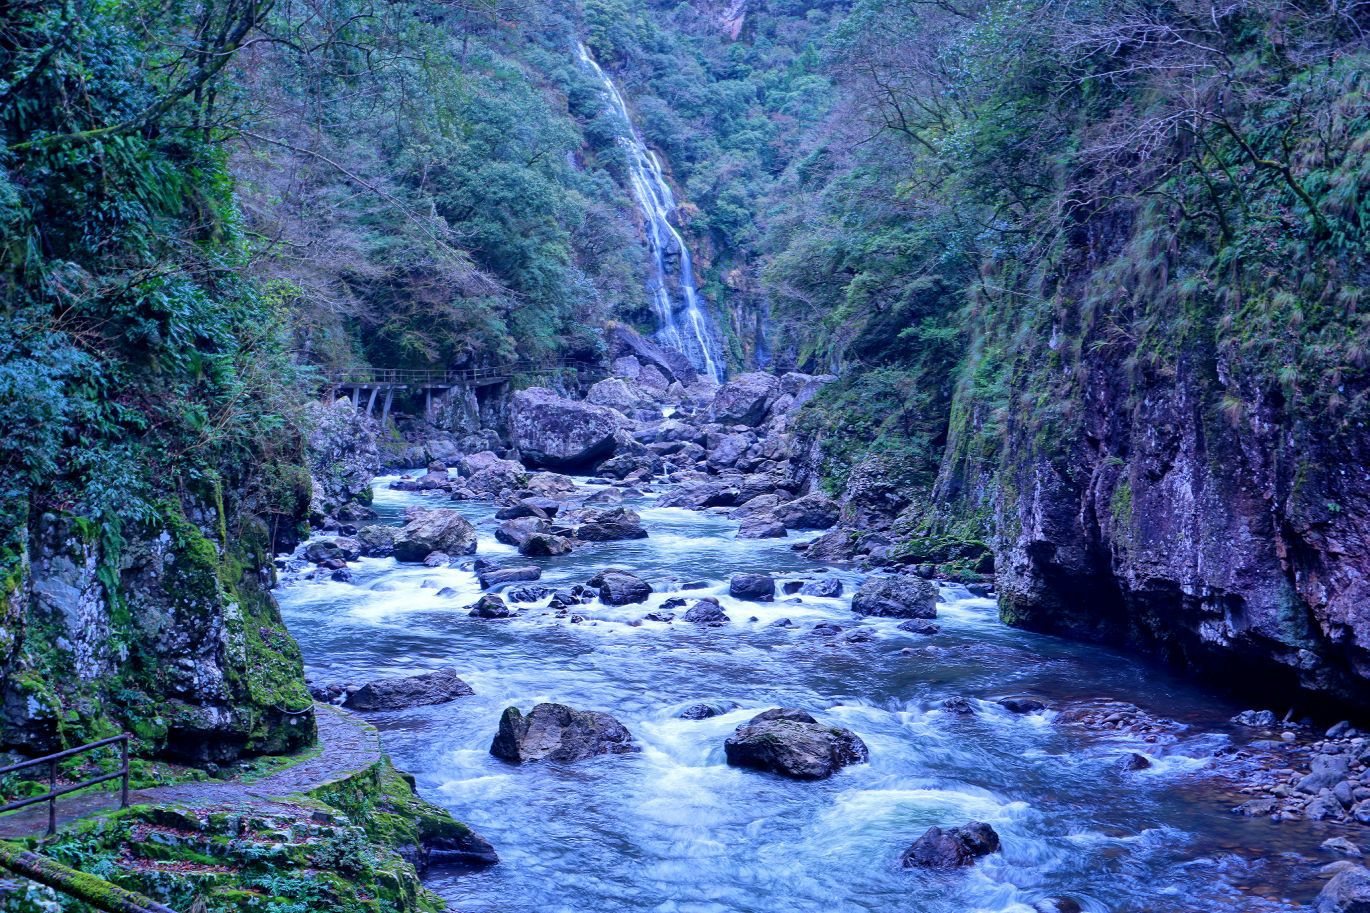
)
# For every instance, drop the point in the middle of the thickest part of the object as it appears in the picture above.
(406, 377)
(54, 792)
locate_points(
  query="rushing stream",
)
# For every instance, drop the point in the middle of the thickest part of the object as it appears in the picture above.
(672, 828)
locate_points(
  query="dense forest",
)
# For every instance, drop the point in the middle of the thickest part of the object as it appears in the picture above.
(1060, 300)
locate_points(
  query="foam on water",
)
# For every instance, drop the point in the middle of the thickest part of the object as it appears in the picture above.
(673, 828)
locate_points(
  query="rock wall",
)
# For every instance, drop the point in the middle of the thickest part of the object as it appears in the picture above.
(1198, 515)
(167, 630)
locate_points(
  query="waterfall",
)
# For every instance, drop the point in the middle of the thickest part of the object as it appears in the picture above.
(691, 334)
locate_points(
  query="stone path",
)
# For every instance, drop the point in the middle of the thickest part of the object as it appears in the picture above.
(346, 745)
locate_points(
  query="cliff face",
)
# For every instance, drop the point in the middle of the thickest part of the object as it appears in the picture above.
(1195, 484)
(1223, 548)
(168, 632)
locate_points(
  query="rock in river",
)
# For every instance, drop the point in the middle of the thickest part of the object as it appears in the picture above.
(414, 691)
(620, 587)
(558, 433)
(489, 606)
(438, 530)
(610, 525)
(1347, 892)
(791, 742)
(707, 612)
(949, 849)
(896, 597)
(555, 732)
(753, 587)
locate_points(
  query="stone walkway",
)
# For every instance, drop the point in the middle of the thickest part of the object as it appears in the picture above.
(346, 745)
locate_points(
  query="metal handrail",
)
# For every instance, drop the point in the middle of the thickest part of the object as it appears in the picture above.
(407, 376)
(53, 792)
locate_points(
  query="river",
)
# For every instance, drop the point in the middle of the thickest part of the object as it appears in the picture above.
(673, 828)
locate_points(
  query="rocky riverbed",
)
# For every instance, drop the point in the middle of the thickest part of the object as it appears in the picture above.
(648, 681)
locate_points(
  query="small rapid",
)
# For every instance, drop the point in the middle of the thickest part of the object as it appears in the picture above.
(673, 828)
(658, 205)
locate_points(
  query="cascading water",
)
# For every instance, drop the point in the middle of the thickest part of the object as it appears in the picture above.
(658, 205)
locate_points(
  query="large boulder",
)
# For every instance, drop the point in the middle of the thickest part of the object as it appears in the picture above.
(752, 587)
(554, 432)
(377, 541)
(555, 732)
(438, 530)
(792, 743)
(813, 511)
(617, 393)
(473, 463)
(744, 399)
(414, 691)
(545, 545)
(950, 849)
(489, 606)
(499, 576)
(516, 532)
(610, 525)
(707, 612)
(624, 341)
(618, 587)
(1347, 892)
(896, 597)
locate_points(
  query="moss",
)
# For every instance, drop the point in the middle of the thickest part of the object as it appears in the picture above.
(339, 850)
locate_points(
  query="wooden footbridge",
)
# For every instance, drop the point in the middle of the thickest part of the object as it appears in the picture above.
(436, 386)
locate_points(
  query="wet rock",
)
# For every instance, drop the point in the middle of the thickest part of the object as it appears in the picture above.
(1134, 761)
(920, 626)
(826, 587)
(446, 592)
(339, 548)
(550, 485)
(752, 587)
(1342, 846)
(761, 528)
(814, 511)
(660, 616)
(1328, 771)
(457, 845)
(1257, 808)
(826, 629)
(555, 732)
(611, 525)
(522, 509)
(706, 710)
(414, 691)
(437, 530)
(950, 849)
(1257, 719)
(558, 433)
(1057, 905)
(760, 506)
(489, 606)
(959, 706)
(744, 399)
(1339, 730)
(437, 559)
(707, 612)
(527, 593)
(1021, 704)
(1347, 892)
(498, 576)
(516, 531)
(377, 541)
(896, 597)
(495, 480)
(576, 595)
(545, 545)
(618, 587)
(781, 623)
(792, 743)
(1322, 808)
